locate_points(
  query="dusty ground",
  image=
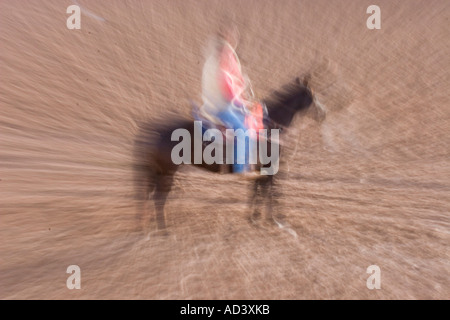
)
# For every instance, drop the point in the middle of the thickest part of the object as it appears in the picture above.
(369, 186)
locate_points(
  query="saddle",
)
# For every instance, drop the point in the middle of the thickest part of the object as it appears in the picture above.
(254, 121)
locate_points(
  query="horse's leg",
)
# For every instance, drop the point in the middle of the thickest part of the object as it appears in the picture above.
(277, 218)
(253, 203)
(266, 195)
(273, 215)
(269, 189)
(270, 195)
(162, 189)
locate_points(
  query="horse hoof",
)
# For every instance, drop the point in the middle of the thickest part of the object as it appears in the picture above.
(254, 217)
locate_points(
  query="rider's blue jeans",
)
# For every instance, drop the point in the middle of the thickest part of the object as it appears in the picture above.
(234, 119)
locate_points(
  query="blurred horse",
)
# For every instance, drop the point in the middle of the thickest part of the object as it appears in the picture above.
(155, 170)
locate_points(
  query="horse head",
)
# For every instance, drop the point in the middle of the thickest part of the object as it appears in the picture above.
(296, 97)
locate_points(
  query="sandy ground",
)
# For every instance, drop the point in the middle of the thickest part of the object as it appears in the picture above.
(370, 186)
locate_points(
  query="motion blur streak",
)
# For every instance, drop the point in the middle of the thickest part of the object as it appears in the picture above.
(367, 186)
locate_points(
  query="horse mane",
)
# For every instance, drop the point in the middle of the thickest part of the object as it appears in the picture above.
(280, 104)
(281, 97)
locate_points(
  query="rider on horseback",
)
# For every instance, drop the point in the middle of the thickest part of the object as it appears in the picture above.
(227, 95)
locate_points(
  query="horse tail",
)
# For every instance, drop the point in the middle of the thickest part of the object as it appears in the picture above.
(144, 175)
